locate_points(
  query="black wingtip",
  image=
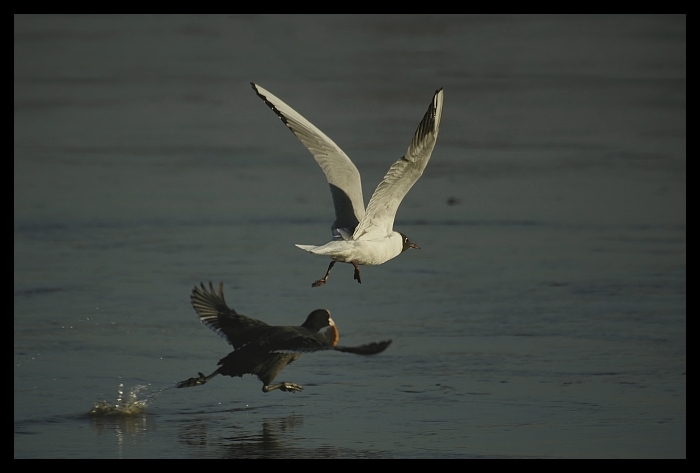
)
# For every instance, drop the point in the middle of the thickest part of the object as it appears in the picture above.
(429, 123)
(257, 91)
(272, 106)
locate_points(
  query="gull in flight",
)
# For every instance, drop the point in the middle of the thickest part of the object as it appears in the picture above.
(261, 349)
(362, 237)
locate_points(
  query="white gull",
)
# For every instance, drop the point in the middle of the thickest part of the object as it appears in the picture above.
(362, 237)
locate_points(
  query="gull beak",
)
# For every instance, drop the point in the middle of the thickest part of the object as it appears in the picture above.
(413, 245)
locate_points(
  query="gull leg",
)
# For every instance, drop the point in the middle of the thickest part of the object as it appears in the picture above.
(357, 272)
(287, 387)
(323, 280)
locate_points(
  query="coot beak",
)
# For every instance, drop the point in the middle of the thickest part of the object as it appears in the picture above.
(332, 333)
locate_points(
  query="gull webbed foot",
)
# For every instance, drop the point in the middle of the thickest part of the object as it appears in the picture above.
(322, 281)
(319, 282)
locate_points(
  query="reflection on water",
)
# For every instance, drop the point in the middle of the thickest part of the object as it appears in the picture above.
(277, 438)
(273, 437)
(122, 425)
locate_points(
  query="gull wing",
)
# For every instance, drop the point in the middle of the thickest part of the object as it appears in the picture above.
(378, 221)
(236, 329)
(341, 174)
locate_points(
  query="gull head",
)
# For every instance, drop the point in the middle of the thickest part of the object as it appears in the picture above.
(406, 243)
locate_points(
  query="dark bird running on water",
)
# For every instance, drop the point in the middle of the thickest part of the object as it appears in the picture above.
(262, 349)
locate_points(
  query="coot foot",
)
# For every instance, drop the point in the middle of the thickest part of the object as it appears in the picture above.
(201, 379)
(287, 387)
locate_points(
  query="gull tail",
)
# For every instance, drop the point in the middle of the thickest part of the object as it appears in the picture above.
(309, 248)
(329, 249)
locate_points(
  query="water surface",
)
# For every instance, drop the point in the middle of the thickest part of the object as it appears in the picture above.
(544, 316)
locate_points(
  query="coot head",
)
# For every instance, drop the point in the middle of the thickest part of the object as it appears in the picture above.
(320, 319)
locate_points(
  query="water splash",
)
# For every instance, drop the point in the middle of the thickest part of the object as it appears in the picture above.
(132, 404)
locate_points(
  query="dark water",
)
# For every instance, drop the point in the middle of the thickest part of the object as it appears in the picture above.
(545, 315)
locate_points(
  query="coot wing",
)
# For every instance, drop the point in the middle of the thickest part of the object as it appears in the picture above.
(368, 349)
(304, 343)
(235, 328)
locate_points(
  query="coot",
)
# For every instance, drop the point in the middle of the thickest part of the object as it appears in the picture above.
(262, 349)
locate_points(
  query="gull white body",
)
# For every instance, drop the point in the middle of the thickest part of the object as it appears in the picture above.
(362, 237)
(363, 252)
